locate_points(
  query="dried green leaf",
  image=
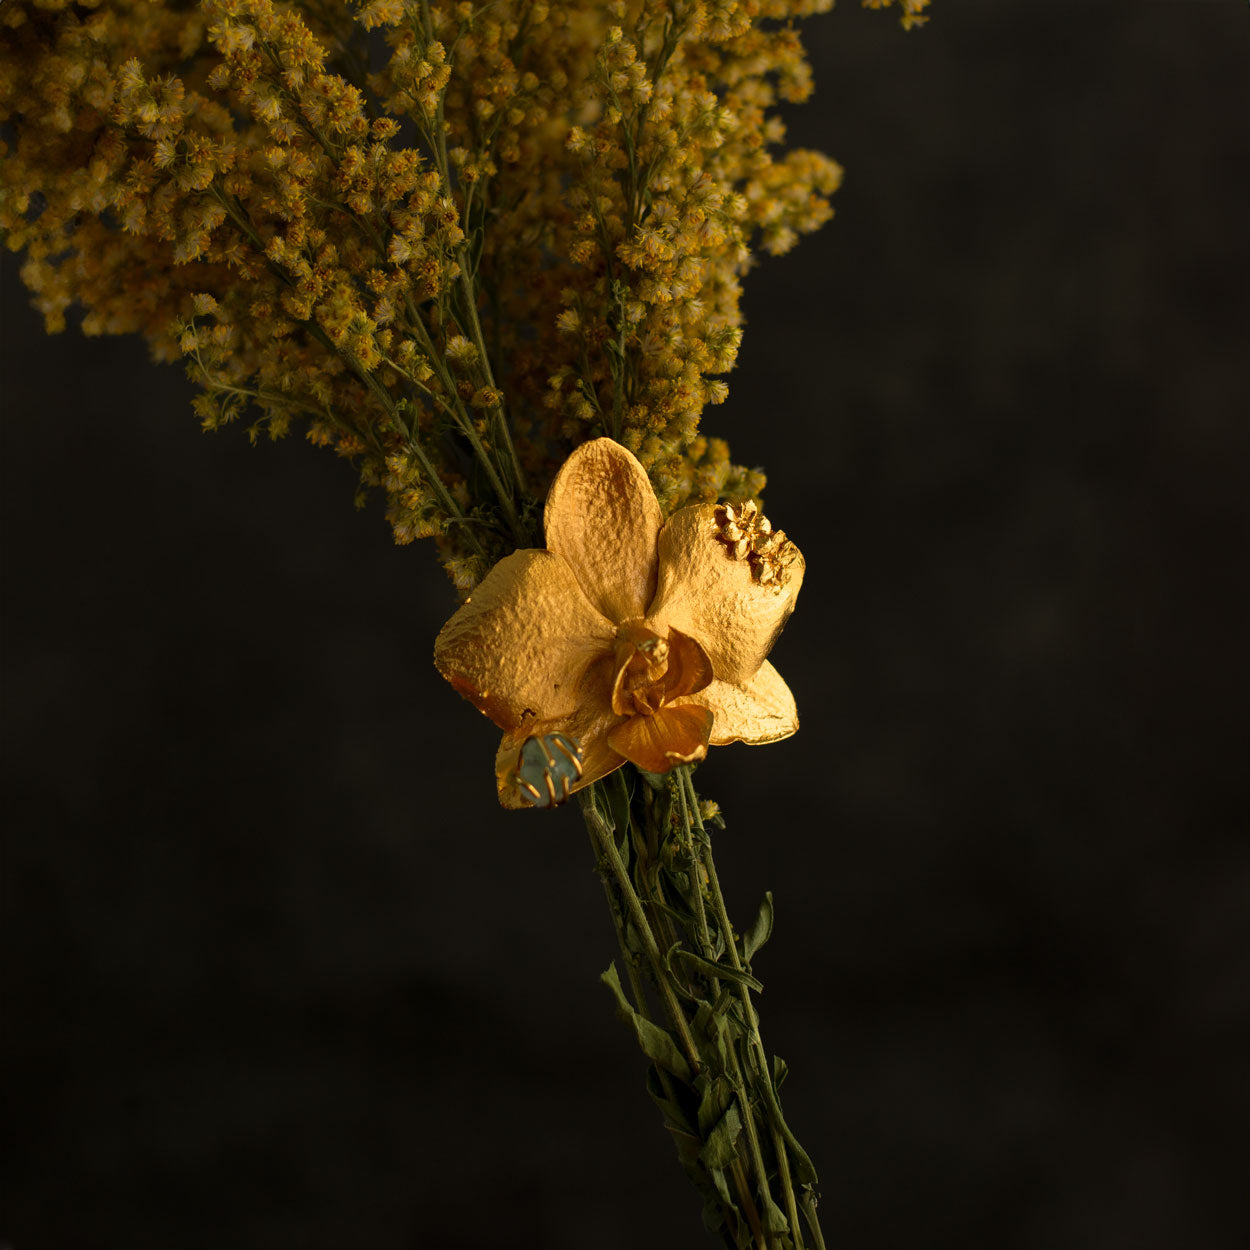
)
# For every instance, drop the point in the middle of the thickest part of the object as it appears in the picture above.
(781, 1070)
(722, 1187)
(717, 1093)
(761, 928)
(720, 1149)
(675, 1117)
(657, 1044)
(803, 1169)
(710, 969)
(657, 781)
(722, 1042)
(619, 794)
(676, 912)
(612, 979)
(713, 1215)
(774, 1217)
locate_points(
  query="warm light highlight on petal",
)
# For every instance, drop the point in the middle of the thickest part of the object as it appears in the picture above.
(602, 516)
(519, 646)
(760, 710)
(676, 734)
(708, 594)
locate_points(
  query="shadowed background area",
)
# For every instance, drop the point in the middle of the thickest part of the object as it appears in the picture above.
(278, 974)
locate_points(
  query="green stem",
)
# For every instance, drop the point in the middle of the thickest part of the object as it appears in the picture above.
(603, 840)
(639, 992)
(454, 407)
(813, 1223)
(690, 811)
(606, 843)
(696, 891)
(414, 446)
(246, 226)
(479, 341)
(463, 421)
(631, 968)
(436, 137)
(756, 1042)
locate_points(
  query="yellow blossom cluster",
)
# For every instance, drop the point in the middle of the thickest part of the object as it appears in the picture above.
(251, 212)
(629, 148)
(526, 229)
(912, 10)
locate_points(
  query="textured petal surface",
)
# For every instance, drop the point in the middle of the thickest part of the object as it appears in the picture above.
(589, 727)
(689, 668)
(706, 593)
(760, 710)
(674, 735)
(634, 690)
(519, 647)
(603, 517)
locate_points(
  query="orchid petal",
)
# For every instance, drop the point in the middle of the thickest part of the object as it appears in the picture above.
(676, 734)
(603, 517)
(758, 711)
(707, 593)
(689, 668)
(519, 646)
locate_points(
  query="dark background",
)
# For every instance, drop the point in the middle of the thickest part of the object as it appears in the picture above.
(277, 972)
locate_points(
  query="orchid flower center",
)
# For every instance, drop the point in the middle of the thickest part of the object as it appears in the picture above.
(641, 668)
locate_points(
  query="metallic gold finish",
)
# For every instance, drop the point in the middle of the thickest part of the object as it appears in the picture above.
(629, 637)
(748, 535)
(574, 759)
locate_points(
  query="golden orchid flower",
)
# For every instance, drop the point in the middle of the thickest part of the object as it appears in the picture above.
(628, 638)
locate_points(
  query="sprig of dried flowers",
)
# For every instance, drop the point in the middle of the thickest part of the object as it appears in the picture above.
(518, 245)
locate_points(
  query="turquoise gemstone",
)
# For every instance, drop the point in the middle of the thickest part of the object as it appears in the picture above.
(548, 766)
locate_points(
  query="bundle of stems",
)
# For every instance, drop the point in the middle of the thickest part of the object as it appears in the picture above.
(689, 1004)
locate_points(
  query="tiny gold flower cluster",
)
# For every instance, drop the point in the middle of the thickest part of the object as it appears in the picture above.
(528, 228)
(748, 535)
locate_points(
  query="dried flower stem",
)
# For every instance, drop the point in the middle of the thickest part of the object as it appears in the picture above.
(602, 833)
(718, 900)
(709, 1071)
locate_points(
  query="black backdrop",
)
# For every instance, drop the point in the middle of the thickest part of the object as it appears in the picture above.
(278, 974)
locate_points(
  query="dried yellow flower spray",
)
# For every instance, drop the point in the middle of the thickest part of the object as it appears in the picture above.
(504, 267)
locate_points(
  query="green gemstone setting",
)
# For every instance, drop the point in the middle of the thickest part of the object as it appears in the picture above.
(549, 764)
